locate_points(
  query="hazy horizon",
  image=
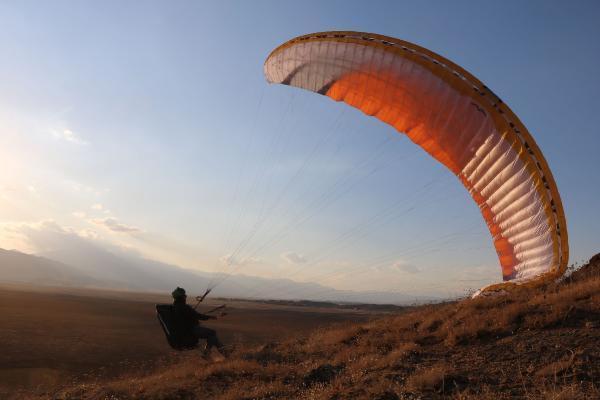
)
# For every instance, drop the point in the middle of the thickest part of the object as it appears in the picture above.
(65, 272)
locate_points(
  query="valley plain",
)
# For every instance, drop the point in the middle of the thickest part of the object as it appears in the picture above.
(50, 337)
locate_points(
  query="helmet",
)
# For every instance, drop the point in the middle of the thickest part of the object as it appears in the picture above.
(178, 293)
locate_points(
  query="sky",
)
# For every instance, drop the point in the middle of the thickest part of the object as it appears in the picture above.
(149, 126)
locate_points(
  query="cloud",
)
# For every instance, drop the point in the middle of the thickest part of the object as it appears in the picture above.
(49, 237)
(42, 236)
(4, 191)
(85, 189)
(294, 258)
(89, 234)
(114, 225)
(407, 268)
(78, 214)
(82, 249)
(399, 266)
(68, 136)
(227, 260)
(97, 207)
(230, 260)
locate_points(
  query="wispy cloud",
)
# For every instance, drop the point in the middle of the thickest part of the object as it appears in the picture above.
(97, 207)
(89, 234)
(231, 261)
(294, 258)
(45, 235)
(404, 267)
(399, 266)
(83, 189)
(227, 259)
(68, 136)
(78, 214)
(112, 224)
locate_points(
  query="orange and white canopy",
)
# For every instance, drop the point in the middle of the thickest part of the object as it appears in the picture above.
(457, 120)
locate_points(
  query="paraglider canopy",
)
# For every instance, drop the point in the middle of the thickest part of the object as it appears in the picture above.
(456, 119)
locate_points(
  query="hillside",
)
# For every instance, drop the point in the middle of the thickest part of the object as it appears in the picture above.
(540, 343)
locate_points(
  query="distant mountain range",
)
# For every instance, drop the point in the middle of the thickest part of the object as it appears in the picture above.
(16, 267)
(94, 267)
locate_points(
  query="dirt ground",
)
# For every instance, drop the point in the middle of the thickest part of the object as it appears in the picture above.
(50, 337)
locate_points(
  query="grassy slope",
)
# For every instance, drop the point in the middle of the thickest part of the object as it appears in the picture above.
(532, 344)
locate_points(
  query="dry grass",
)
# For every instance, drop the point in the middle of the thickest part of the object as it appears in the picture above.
(531, 344)
(428, 379)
